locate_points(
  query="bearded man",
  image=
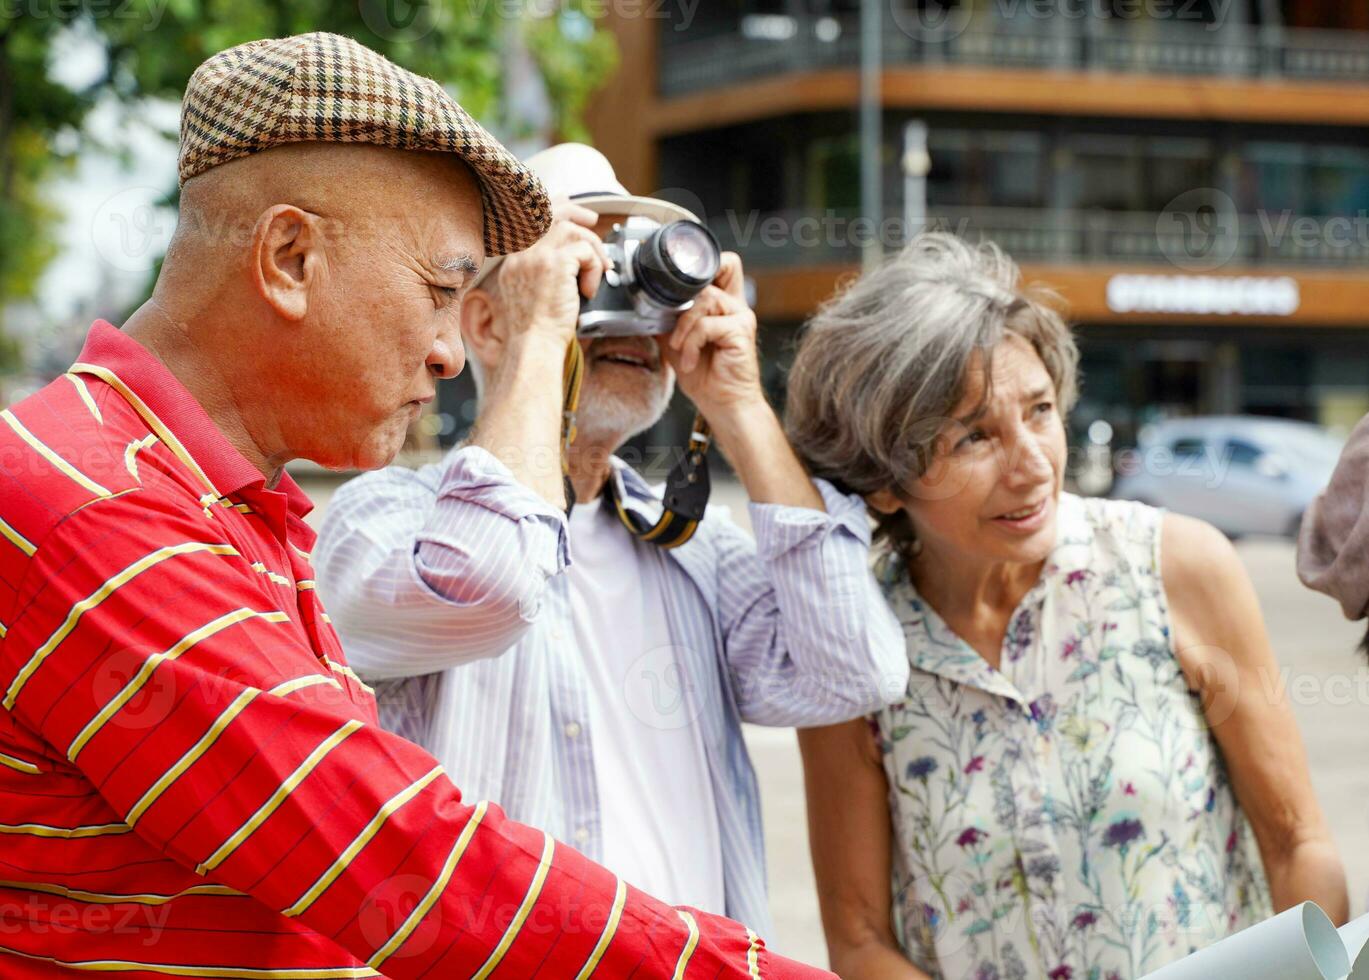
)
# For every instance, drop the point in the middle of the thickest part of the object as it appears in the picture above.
(591, 680)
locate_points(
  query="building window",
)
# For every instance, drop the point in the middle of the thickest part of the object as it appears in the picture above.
(986, 168)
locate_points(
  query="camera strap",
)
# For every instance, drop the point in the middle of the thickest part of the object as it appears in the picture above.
(686, 495)
(574, 376)
(686, 488)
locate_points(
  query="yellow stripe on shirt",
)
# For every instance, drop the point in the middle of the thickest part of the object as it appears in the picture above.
(15, 538)
(215, 972)
(148, 416)
(191, 756)
(105, 898)
(691, 944)
(367, 834)
(84, 392)
(209, 738)
(100, 595)
(753, 956)
(529, 900)
(421, 910)
(349, 673)
(19, 765)
(139, 680)
(282, 792)
(67, 833)
(300, 683)
(605, 937)
(131, 454)
(276, 577)
(42, 449)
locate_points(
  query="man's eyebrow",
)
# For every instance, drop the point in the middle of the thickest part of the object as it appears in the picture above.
(460, 263)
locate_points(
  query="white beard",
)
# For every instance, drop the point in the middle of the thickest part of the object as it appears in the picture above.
(604, 415)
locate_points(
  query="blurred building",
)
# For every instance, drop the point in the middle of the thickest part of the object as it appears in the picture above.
(1191, 175)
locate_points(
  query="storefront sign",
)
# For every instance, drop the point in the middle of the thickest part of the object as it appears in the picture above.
(1204, 295)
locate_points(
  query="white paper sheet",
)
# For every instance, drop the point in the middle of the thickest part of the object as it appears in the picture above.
(1298, 944)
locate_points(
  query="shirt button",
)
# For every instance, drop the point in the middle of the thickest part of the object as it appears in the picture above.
(573, 729)
(581, 834)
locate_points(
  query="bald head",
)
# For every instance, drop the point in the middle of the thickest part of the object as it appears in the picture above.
(357, 189)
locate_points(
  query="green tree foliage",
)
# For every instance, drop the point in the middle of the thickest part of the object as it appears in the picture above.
(152, 46)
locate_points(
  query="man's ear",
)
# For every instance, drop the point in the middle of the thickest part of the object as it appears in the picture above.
(480, 328)
(287, 258)
(885, 501)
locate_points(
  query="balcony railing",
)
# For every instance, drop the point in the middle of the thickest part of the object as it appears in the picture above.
(1179, 241)
(1151, 47)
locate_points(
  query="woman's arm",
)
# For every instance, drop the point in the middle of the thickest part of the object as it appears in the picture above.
(850, 839)
(1220, 639)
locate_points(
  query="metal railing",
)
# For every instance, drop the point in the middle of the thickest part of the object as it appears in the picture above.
(1149, 47)
(1179, 241)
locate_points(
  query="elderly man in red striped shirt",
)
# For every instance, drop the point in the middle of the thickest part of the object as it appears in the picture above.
(192, 781)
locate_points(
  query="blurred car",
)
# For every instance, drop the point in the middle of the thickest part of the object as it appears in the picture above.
(1243, 474)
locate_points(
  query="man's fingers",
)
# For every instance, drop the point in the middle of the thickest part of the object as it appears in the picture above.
(723, 331)
(565, 208)
(707, 329)
(589, 266)
(684, 325)
(713, 301)
(729, 277)
(574, 233)
(693, 346)
(707, 303)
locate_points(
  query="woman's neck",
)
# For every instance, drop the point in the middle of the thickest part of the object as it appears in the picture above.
(976, 599)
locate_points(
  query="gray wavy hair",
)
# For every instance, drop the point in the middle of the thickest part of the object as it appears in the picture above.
(883, 364)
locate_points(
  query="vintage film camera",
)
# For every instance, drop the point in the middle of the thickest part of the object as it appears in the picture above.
(658, 270)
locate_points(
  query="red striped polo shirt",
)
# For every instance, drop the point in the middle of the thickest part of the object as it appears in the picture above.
(192, 781)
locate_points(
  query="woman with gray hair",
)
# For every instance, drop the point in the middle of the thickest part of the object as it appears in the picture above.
(1093, 727)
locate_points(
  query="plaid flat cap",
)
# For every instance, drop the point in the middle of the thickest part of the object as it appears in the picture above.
(326, 88)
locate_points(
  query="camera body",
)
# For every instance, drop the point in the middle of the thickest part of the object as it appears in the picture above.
(657, 273)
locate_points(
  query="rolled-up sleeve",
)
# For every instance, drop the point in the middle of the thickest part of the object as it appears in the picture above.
(427, 569)
(809, 638)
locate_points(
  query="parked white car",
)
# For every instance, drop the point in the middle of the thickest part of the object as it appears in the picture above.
(1243, 474)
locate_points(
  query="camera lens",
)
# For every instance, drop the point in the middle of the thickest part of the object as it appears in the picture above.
(676, 261)
(691, 250)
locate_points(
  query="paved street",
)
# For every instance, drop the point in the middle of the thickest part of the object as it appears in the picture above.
(1326, 681)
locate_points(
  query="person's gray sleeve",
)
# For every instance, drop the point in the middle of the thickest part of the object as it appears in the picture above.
(422, 570)
(810, 640)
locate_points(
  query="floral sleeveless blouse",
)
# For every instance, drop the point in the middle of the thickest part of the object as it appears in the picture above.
(1069, 815)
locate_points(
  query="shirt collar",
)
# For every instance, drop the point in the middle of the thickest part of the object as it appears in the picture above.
(148, 378)
(632, 482)
(936, 649)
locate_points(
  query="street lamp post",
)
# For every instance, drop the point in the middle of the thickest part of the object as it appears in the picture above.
(871, 186)
(917, 163)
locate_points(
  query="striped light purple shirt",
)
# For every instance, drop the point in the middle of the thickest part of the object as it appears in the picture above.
(445, 585)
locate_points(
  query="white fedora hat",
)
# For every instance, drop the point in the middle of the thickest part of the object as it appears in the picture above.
(584, 175)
